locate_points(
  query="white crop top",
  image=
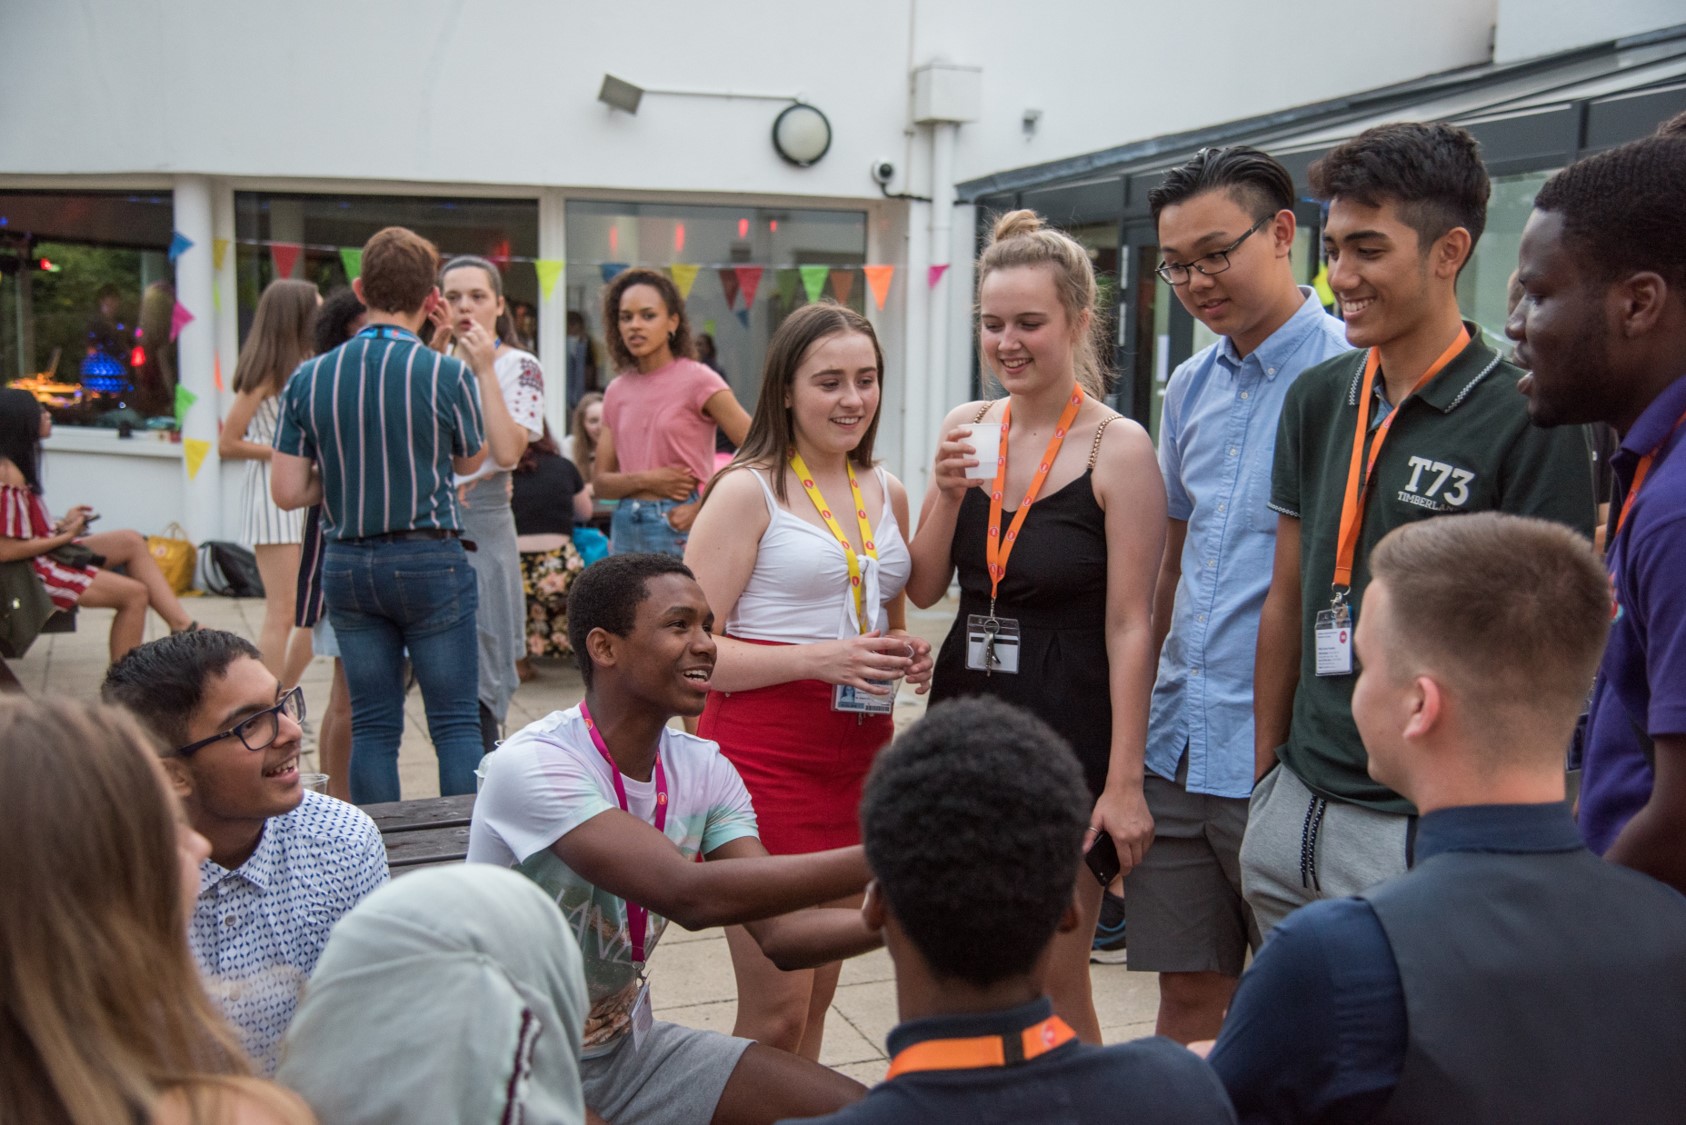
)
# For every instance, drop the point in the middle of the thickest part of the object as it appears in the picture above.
(799, 590)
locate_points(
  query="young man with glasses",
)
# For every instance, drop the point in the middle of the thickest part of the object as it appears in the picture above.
(285, 863)
(1422, 421)
(1226, 228)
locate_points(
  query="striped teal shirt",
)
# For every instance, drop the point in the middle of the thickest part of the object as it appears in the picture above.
(382, 416)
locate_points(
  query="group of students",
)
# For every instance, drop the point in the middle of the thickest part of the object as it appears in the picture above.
(1377, 718)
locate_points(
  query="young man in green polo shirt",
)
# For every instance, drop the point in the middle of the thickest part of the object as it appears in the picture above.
(1440, 429)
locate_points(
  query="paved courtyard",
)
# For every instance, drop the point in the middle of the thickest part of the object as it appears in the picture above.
(691, 973)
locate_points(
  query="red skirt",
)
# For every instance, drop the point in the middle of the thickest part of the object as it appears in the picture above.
(802, 762)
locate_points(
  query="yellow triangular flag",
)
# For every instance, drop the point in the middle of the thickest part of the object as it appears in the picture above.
(1320, 283)
(548, 269)
(684, 276)
(219, 251)
(194, 450)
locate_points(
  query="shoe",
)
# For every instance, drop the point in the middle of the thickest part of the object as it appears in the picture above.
(1108, 947)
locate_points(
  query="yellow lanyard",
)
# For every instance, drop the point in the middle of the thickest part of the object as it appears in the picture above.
(871, 548)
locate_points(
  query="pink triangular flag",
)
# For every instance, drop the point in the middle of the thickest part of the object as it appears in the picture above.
(179, 318)
(936, 275)
(749, 277)
(878, 280)
(285, 255)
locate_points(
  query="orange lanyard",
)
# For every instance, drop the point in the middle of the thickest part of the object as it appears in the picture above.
(1358, 487)
(867, 545)
(982, 1051)
(995, 550)
(1643, 471)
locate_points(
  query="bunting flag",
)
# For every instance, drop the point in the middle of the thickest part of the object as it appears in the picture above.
(612, 270)
(684, 276)
(787, 280)
(749, 278)
(194, 450)
(729, 285)
(216, 297)
(184, 402)
(710, 327)
(219, 252)
(179, 318)
(936, 275)
(1325, 295)
(743, 317)
(179, 245)
(878, 280)
(813, 280)
(843, 284)
(549, 270)
(351, 258)
(216, 371)
(285, 255)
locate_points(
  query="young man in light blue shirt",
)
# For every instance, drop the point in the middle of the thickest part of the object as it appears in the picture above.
(1226, 227)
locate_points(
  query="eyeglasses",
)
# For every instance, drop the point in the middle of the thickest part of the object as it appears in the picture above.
(259, 731)
(1177, 273)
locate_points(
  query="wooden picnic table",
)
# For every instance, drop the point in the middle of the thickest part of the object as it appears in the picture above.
(424, 833)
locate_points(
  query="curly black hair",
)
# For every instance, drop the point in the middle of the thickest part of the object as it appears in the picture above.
(1432, 170)
(1624, 210)
(680, 344)
(607, 594)
(162, 682)
(331, 326)
(1254, 179)
(973, 822)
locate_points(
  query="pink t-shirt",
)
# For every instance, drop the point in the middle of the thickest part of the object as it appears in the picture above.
(657, 417)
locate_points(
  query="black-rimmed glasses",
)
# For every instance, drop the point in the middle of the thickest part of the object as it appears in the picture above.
(1177, 273)
(259, 731)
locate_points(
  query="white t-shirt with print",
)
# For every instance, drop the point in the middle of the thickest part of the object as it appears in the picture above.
(547, 780)
(522, 381)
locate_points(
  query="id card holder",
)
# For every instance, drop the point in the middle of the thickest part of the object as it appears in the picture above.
(992, 644)
(643, 1017)
(848, 697)
(1334, 642)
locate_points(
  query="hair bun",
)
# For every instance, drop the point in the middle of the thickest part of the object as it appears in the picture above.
(1015, 223)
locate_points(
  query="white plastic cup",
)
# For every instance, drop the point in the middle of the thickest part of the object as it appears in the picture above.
(316, 781)
(985, 439)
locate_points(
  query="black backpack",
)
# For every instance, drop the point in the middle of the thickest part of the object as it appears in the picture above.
(229, 570)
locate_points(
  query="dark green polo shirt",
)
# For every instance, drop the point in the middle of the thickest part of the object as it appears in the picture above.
(1462, 444)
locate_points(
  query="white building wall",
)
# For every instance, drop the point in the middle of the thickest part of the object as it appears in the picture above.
(1529, 28)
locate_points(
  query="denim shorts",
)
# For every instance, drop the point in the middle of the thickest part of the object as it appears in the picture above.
(641, 526)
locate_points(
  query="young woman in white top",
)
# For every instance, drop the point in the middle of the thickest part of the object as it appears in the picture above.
(803, 560)
(279, 340)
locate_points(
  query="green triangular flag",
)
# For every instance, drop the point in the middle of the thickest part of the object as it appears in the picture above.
(786, 283)
(813, 280)
(352, 259)
(184, 402)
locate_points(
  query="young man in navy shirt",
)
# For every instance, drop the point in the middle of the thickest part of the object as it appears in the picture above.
(972, 822)
(1602, 323)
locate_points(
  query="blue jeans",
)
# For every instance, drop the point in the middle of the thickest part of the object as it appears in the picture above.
(383, 598)
(640, 526)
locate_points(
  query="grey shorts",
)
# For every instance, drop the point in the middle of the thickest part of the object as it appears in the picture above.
(1301, 847)
(1183, 901)
(677, 1079)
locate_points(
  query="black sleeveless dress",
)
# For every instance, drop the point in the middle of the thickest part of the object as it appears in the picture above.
(1055, 587)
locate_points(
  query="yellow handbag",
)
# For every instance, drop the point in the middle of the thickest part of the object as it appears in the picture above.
(175, 554)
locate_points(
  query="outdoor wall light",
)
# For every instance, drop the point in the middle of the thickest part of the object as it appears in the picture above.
(618, 93)
(801, 134)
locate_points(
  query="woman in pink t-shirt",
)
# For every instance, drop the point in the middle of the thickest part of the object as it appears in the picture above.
(659, 416)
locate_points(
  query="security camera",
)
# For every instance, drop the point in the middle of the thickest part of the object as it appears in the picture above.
(883, 171)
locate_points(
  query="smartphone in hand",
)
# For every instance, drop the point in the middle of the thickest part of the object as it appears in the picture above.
(1102, 858)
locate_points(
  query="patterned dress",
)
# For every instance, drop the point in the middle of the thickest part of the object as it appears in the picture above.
(24, 516)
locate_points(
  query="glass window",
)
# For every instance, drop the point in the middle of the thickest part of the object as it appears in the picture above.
(1483, 285)
(86, 297)
(718, 240)
(506, 231)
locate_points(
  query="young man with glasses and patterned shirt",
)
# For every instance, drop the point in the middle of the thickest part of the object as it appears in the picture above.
(1226, 228)
(285, 863)
(1423, 420)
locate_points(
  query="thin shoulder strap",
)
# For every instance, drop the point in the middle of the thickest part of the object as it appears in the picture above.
(772, 502)
(1095, 450)
(985, 410)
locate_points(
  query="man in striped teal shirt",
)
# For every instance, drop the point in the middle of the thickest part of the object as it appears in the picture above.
(373, 431)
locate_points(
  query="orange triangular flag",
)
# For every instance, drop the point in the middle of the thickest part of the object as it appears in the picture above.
(216, 370)
(878, 280)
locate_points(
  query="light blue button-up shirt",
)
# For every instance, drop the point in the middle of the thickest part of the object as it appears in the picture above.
(1217, 435)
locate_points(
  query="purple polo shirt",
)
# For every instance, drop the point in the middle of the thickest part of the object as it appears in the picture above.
(1642, 682)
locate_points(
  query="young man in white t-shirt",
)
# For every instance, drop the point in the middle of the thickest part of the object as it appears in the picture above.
(607, 809)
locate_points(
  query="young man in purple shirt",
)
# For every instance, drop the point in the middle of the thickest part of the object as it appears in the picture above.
(1602, 325)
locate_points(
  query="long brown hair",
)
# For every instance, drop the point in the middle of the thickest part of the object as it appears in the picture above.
(772, 434)
(280, 337)
(583, 447)
(680, 343)
(101, 1007)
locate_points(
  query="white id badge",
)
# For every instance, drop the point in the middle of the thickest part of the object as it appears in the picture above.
(643, 1017)
(992, 644)
(1334, 642)
(848, 697)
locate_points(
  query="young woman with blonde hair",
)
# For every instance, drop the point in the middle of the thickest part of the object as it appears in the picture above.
(1057, 550)
(103, 1018)
(278, 341)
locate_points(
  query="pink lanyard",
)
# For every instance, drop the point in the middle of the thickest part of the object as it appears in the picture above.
(637, 918)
